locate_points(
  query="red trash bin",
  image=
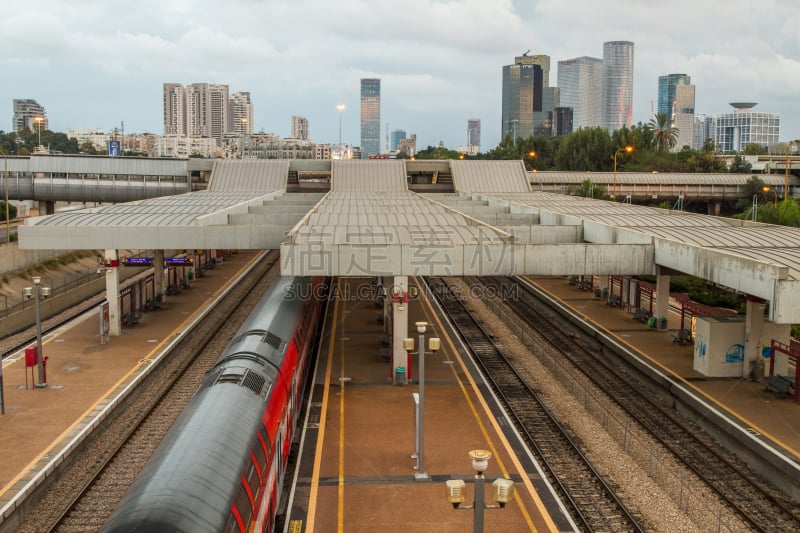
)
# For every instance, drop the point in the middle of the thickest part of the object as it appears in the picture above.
(31, 356)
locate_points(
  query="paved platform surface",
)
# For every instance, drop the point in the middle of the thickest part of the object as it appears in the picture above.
(746, 399)
(357, 473)
(82, 375)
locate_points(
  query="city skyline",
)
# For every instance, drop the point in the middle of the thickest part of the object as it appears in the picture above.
(450, 68)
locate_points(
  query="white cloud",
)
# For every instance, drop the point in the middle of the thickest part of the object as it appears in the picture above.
(440, 61)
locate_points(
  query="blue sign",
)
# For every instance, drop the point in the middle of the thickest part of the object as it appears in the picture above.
(114, 148)
(139, 261)
(179, 260)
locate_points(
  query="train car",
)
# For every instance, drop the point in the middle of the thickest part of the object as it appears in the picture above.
(221, 465)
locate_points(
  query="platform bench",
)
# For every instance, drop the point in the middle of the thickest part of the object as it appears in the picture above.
(780, 385)
(684, 336)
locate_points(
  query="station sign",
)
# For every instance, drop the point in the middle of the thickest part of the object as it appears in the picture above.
(180, 260)
(138, 261)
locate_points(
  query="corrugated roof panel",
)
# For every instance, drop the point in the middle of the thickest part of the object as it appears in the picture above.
(259, 176)
(489, 176)
(368, 176)
(147, 166)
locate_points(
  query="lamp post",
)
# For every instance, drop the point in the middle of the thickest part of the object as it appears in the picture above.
(766, 189)
(408, 345)
(786, 181)
(38, 292)
(503, 490)
(531, 154)
(627, 149)
(340, 107)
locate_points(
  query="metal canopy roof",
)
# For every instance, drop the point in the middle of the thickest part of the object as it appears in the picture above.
(261, 175)
(370, 224)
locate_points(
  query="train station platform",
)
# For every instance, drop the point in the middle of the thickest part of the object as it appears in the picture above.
(357, 472)
(758, 410)
(83, 375)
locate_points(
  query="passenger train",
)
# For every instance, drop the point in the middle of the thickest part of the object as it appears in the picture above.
(221, 466)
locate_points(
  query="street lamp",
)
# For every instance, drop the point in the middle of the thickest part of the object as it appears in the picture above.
(627, 149)
(433, 345)
(786, 181)
(38, 292)
(531, 154)
(766, 189)
(503, 490)
(340, 107)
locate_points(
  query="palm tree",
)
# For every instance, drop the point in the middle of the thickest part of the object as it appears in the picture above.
(666, 134)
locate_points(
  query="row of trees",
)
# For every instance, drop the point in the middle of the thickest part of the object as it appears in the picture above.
(592, 149)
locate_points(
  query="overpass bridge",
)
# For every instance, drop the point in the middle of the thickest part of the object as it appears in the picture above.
(654, 186)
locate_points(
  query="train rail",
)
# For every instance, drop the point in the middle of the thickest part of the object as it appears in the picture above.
(96, 477)
(592, 502)
(754, 500)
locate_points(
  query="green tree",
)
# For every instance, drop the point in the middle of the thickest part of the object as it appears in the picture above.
(666, 135)
(753, 149)
(587, 149)
(740, 165)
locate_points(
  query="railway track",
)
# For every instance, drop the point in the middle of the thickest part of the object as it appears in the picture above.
(592, 502)
(96, 478)
(754, 501)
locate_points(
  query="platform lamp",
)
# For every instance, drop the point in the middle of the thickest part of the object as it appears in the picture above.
(39, 121)
(433, 345)
(627, 149)
(503, 490)
(5, 183)
(38, 292)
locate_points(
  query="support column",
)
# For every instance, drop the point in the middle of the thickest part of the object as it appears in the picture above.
(603, 285)
(111, 264)
(47, 208)
(662, 300)
(753, 334)
(399, 295)
(158, 273)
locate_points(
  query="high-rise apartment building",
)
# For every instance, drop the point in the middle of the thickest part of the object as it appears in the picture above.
(196, 110)
(241, 109)
(666, 91)
(299, 129)
(26, 113)
(370, 117)
(528, 100)
(174, 109)
(733, 131)
(617, 84)
(580, 81)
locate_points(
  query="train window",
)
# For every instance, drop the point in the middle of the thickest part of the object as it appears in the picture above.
(260, 456)
(244, 505)
(264, 438)
(234, 524)
(253, 480)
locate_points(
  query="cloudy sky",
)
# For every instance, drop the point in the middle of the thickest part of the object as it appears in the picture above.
(96, 64)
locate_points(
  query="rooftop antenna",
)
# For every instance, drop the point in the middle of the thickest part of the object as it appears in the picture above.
(525, 54)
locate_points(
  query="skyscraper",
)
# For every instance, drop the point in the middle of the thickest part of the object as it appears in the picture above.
(174, 109)
(396, 136)
(26, 112)
(473, 136)
(666, 91)
(617, 84)
(581, 83)
(241, 110)
(528, 100)
(683, 116)
(370, 117)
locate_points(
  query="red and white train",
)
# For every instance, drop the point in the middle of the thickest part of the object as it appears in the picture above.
(221, 466)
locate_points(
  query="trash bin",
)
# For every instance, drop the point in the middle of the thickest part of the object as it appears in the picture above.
(651, 322)
(400, 376)
(662, 323)
(605, 293)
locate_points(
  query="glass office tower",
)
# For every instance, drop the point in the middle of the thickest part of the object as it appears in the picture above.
(581, 83)
(617, 85)
(370, 117)
(666, 91)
